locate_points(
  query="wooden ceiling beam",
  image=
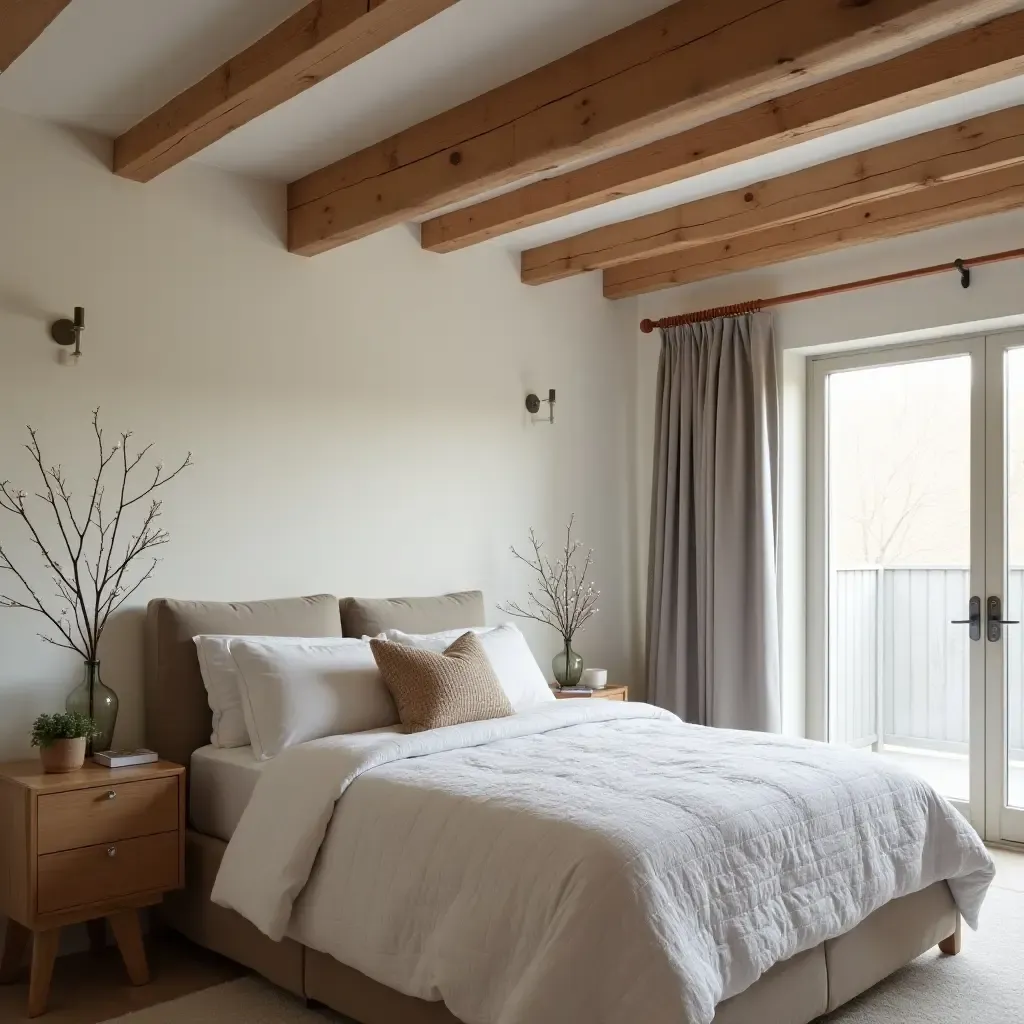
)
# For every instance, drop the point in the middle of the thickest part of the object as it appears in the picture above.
(924, 161)
(993, 192)
(989, 53)
(21, 24)
(685, 65)
(314, 43)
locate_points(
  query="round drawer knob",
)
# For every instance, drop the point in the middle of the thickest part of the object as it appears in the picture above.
(111, 795)
(112, 851)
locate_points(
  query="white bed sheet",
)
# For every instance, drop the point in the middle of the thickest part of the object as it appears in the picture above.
(221, 782)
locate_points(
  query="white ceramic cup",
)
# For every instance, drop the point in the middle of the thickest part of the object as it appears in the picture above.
(594, 678)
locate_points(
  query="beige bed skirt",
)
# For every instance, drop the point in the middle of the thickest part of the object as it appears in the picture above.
(793, 992)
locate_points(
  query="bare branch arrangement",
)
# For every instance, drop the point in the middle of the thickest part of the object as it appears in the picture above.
(565, 599)
(95, 568)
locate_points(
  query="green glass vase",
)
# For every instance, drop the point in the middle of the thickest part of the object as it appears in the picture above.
(567, 666)
(91, 697)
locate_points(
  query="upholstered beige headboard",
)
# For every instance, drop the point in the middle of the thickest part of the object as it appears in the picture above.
(177, 715)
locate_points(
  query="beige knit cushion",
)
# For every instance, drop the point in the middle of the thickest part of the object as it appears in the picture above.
(433, 690)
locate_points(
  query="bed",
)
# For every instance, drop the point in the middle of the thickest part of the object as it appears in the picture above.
(795, 990)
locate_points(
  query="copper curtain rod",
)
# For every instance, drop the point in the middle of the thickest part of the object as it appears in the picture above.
(963, 266)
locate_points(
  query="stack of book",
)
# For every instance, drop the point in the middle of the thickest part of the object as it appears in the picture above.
(125, 758)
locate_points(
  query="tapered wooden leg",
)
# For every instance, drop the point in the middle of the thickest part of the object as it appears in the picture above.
(16, 942)
(44, 952)
(97, 934)
(128, 934)
(951, 945)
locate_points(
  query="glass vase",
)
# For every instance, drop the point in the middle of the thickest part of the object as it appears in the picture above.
(91, 697)
(567, 666)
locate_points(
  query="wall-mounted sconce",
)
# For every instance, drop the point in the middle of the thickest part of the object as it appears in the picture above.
(533, 404)
(69, 332)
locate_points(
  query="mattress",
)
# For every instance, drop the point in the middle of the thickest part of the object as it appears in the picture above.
(221, 781)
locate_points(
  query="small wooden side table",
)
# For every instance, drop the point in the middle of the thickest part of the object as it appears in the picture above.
(94, 844)
(608, 693)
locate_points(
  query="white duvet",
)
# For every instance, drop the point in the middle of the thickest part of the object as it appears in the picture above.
(589, 863)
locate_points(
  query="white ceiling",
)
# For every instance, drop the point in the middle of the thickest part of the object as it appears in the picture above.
(103, 65)
(106, 64)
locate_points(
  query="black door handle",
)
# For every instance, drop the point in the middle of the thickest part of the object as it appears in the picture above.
(996, 620)
(974, 611)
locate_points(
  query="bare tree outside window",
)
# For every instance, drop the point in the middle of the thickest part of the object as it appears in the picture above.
(900, 464)
(892, 497)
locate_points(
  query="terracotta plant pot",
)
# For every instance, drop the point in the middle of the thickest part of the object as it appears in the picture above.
(63, 755)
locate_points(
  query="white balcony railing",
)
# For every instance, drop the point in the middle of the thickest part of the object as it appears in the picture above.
(899, 669)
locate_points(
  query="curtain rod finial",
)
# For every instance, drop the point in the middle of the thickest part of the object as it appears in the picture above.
(647, 326)
(965, 273)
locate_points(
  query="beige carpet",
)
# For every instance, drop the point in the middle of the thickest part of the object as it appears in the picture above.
(246, 1001)
(985, 983)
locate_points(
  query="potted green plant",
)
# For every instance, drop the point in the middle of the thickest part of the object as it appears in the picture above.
(61, 739)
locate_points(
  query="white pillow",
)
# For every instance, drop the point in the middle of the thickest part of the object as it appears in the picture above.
(435, 641)
(296, 692)
(220, 677)
(508, 652)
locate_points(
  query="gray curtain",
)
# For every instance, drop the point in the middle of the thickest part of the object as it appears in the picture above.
(712, 602)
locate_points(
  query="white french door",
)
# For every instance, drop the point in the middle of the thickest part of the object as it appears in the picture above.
(916, 565)
(1004, 574)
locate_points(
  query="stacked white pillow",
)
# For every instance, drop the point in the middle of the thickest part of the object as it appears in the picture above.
(508, 652)
(292, 693)
(273, 692)
(228, 693)
(220, 676)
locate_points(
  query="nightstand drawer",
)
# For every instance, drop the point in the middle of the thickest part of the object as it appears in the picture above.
(107, 814)
(94, 874)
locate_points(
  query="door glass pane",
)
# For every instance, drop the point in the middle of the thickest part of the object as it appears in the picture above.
(899, 528)
(1014, 603)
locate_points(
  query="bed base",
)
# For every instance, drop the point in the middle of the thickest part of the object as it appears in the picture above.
(796, 991)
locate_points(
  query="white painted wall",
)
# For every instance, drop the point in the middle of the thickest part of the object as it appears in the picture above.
(356, 420)
(925, 307)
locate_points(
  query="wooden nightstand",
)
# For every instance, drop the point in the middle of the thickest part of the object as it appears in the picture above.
(80, 847)
(608, 693)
